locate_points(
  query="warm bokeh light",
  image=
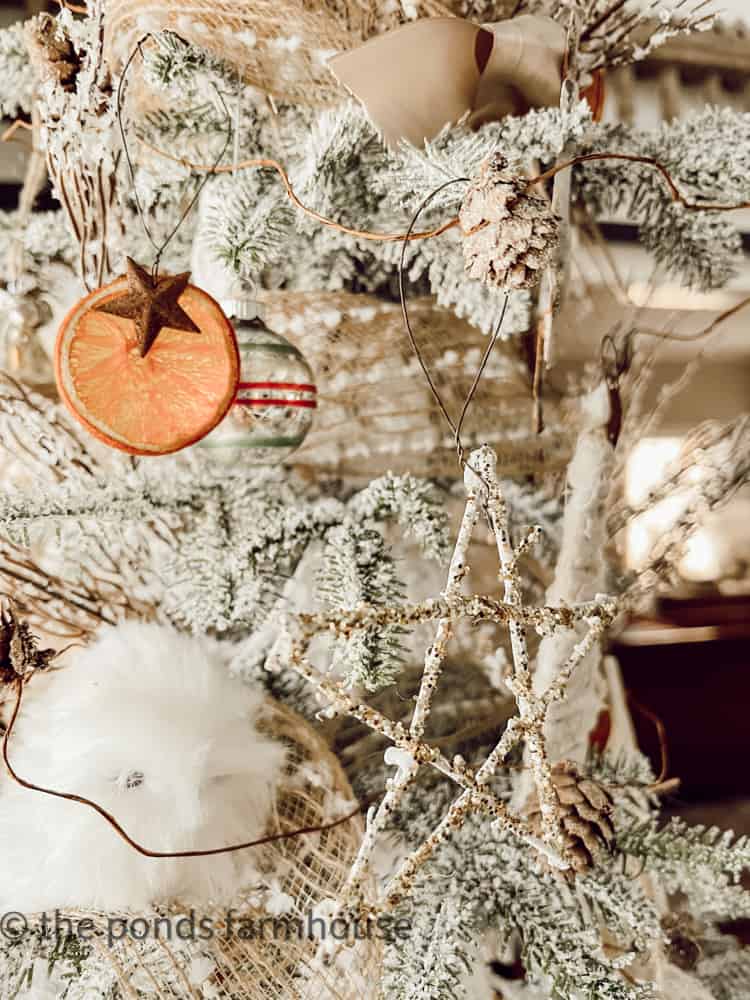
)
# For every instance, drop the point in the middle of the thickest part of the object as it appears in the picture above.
(647, 466)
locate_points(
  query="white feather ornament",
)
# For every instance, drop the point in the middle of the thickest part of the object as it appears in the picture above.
(147, 723)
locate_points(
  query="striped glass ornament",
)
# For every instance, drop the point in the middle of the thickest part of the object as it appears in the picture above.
(275, 402)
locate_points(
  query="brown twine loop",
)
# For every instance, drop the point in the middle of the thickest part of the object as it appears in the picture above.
(701, 334)
(120, 830)
(615, 362)
(661, 733)
(649, 161)
(72, 7)
(616, 359)
(662, 785)
(266, 163)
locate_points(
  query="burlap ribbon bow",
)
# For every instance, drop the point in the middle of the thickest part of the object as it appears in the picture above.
(424, 75)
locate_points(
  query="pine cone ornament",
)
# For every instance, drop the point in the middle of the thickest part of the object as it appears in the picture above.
(51, 52)
(684, 934)
(586, 808)
(19, 652)
(510, 232)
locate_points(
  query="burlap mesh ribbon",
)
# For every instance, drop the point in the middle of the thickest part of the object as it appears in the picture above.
(375, 411)
(280, 46)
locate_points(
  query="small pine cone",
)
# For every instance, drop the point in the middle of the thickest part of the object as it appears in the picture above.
(19, 652)
(684, 934)
(51, 52)
(585, 810)
(510, 232)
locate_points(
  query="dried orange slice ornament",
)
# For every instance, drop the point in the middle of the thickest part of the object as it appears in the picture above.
(147, 364)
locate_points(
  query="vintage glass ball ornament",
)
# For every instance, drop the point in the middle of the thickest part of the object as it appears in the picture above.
(276, 397)
(21, 353)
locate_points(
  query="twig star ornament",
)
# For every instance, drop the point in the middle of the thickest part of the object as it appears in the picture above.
(547, 833)
(152, 303)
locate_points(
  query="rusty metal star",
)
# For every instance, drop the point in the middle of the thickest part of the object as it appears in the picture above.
(152, 304)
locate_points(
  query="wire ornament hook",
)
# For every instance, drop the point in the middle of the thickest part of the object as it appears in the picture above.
(159, 248)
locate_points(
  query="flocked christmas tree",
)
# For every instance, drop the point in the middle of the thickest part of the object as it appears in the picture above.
(431, 576)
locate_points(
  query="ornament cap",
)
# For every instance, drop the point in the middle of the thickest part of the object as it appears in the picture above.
(242, 308)
(240, 300)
